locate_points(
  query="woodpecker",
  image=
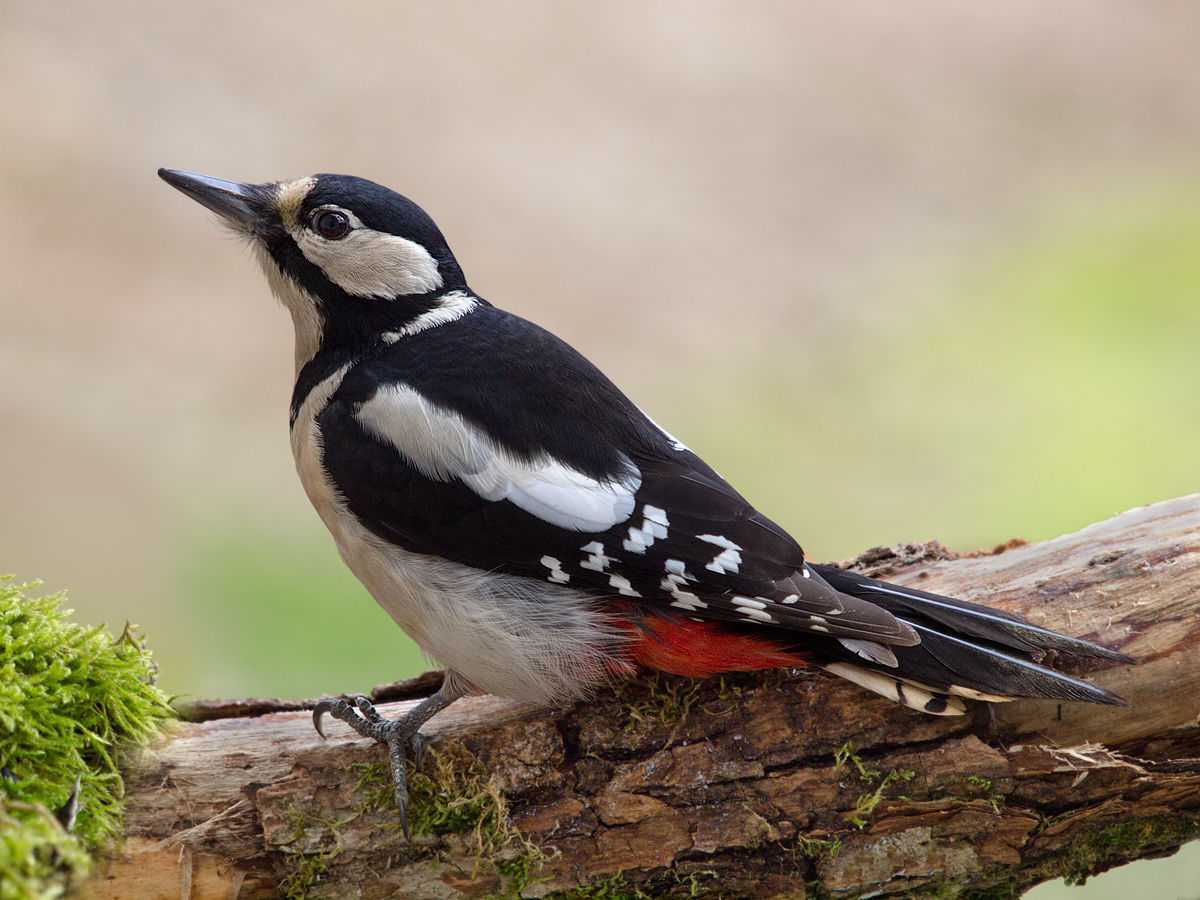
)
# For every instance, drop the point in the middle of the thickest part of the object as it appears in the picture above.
(529, 527)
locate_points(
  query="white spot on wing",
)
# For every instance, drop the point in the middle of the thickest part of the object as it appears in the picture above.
(623, 586)
(747, 603)
(596, 560)
(728, 560)
(757, 614)
(557, 575)
(443, 446)
(677, 567)
(752, 609)
(656, 515)
(719, 541)
(654, 526)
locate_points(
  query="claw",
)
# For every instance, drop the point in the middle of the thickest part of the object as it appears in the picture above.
(419, 743)
(324, 706)
(397, 734)
(402, 808)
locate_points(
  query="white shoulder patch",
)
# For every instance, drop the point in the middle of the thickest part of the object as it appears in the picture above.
(442, 446)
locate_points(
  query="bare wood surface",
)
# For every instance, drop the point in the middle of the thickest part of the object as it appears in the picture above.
(784, 784)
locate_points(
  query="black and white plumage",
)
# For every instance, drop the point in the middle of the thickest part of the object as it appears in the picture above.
(528, 525)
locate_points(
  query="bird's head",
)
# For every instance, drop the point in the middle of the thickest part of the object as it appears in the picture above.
(353, 261)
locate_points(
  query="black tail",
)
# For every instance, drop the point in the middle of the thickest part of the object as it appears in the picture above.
(966, 650)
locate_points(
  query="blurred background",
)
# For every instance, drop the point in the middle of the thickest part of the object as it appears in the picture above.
(898, 271)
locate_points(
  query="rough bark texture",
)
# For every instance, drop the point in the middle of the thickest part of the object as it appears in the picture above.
(785, 784)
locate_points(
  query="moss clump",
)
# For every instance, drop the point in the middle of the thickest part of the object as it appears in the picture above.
(71, 699)
(457, 797)
(658, 699)
(38, 860)
(1123, 842)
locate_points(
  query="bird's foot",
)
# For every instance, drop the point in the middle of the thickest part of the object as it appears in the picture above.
(361, 715)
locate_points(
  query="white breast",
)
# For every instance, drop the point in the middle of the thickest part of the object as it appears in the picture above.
(509, 636)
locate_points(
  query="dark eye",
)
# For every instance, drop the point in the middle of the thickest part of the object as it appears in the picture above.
(330, 224)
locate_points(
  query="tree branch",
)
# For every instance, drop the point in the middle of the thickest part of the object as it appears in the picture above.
(756, 785)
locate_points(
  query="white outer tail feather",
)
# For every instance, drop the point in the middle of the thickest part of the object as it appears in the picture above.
(916, 696)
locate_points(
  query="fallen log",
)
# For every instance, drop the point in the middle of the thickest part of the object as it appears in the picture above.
(764, 785)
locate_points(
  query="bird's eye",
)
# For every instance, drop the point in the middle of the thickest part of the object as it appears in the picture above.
(330, 224)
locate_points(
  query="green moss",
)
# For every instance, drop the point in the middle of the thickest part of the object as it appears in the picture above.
(71, 700)
(457, 797)
(1008, 889)
(985, 789)
(304, 866)
(38, 860)
(304, 871)
(816, 850)
(1120, 843)
(866, 804)
(657, 698)
(615, 888)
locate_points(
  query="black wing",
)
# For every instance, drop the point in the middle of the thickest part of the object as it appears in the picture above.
(428, 465)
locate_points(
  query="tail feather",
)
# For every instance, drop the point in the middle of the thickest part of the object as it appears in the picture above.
(969, 619)
(966, 650)
(964, 666)
(912, 694)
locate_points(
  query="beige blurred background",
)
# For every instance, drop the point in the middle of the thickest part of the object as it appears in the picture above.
(869, 258)
(899, 271)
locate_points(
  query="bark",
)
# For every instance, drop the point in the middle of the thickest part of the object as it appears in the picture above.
(779, 784)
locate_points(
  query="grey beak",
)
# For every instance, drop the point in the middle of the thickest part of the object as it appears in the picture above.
(228, 199)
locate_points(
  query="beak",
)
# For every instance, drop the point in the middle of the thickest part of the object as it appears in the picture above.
(236, 203)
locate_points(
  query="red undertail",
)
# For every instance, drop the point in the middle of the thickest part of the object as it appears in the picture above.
(698, 649)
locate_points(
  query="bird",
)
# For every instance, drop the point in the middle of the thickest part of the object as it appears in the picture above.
(528, 526)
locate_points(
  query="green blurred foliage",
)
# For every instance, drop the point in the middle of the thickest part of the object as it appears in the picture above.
(281, 616)
(1056, 387)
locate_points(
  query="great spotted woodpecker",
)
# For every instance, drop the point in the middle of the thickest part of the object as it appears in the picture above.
(527, 525)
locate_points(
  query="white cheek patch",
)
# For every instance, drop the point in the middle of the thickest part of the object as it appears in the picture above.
(444, 447)
(369, 263)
